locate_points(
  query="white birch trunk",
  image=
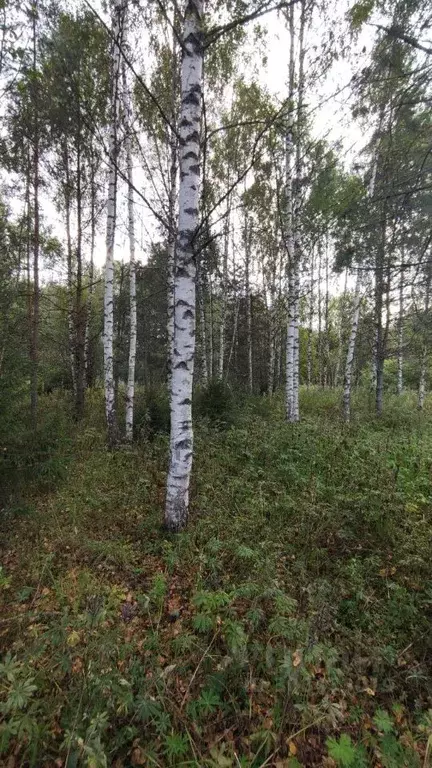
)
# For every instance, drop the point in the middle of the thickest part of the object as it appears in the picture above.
(272, 331)
(130, 389)
(211, 355)
(91, 275)
(424, 354)
(295, 413)
(296, 351)
(202, 316)
(374, 363)
(172, 224)
(350, 352)
(248, 304)
(326, 319)
(181, 442)
(108, 334)
(310, 326)
(341, 324)
(319, 303)
(289, 228)
(400, 331)
(224, 294)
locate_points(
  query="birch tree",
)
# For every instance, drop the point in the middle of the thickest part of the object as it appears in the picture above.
(400, 330)
(424, 349)
(108, 334)
(351, 348)
(289, 226)
(181, 439)
(34, 332)
(130, 390)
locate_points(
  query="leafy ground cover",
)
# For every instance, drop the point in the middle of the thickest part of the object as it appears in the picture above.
(289, 626)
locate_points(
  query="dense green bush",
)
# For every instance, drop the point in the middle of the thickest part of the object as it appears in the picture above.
(152, 413)
(216, 403)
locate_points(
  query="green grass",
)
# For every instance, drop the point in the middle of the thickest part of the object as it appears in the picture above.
(289, 625)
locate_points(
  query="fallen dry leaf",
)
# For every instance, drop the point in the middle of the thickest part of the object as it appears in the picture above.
(292, 748)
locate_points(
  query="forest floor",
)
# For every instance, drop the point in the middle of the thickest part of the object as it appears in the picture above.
(290, 625)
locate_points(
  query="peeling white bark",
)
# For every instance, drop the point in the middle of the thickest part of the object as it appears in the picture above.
(181, 442)
(108, 334)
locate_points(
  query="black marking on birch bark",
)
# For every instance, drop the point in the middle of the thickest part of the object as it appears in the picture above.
(193, 136)
(188, 315)
(185, 234)
(182, 303)
(184, 445)
(181, 366)
(186, 401)
(195, 169)
(191, 211)
(193, 97)
(195, 40)
(191, 155)
(181, 272)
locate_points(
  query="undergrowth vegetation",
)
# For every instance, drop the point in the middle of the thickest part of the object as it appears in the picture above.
(289, 626)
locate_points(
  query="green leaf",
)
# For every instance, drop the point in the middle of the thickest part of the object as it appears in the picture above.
(176, 745)
(202, 623)
(383, 721)
(343, 751)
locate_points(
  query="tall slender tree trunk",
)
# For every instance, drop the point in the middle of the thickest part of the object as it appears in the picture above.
(224, 293)
(379, 292)
(355, 321)
(400, 330)
(28, 254)
(181, 442)
(425, 350)
(296, 351)
(248, 297)
(272, 332)
(374, 372)
(326, 319)
(296, 217)
(310, 325)
(350, 352)
(80, 308)
(234, 336)
(172, 204)
(34, 338)
(289, 227)
(211, 353)
(108, 339)
(319, 304)
(340, 331)
(130, 388)
(89, 368)
(69, 267)
(203, 326)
